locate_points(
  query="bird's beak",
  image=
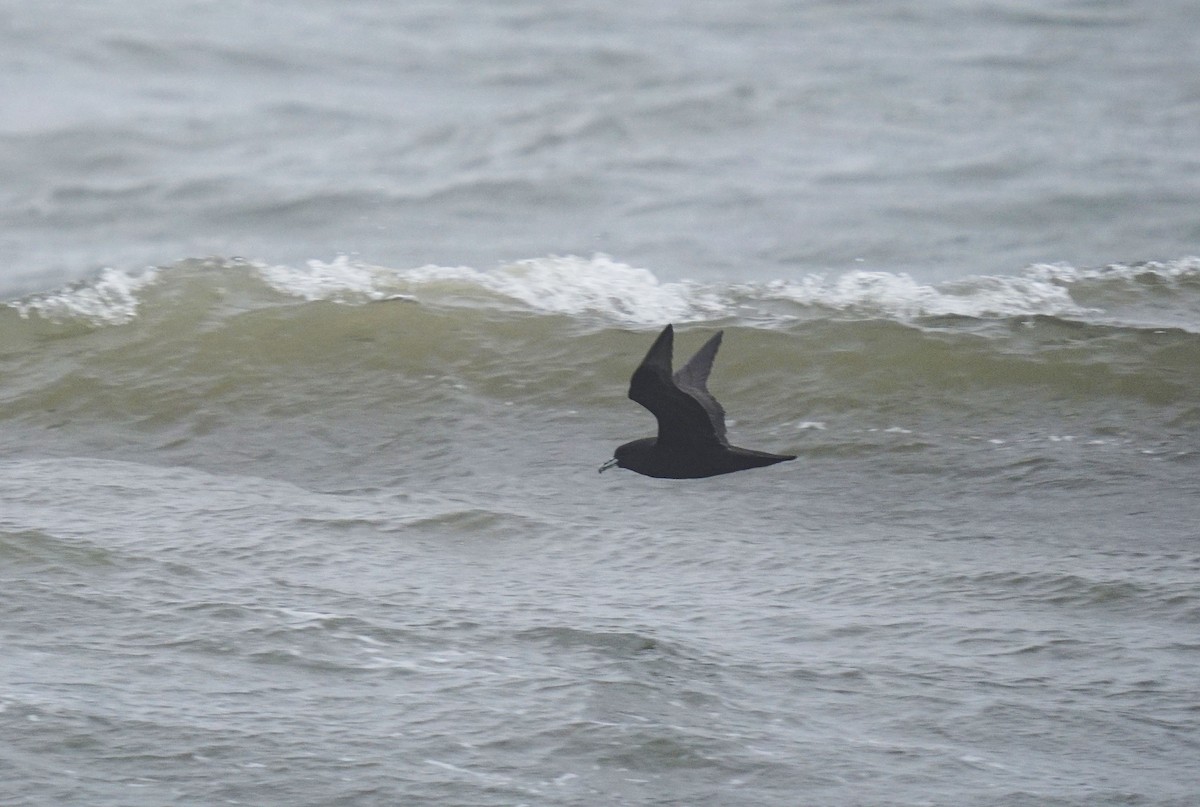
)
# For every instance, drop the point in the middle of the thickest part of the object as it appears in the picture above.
(610, 464)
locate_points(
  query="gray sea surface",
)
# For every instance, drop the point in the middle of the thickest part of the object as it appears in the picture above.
(754, 140)
(317, 320)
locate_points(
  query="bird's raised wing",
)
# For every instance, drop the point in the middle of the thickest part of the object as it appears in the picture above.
(692, 378)
(684, 419)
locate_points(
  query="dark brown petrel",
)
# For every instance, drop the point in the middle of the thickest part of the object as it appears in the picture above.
(691, 440)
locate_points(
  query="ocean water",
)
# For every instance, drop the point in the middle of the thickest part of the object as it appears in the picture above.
(317, 321)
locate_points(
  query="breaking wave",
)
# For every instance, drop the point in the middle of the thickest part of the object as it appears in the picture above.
(606, 292)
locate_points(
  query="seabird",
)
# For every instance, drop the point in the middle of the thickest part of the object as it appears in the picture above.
(691, 440)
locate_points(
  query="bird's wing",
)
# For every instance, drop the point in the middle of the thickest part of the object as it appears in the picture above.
(683, 419)
(692, 378)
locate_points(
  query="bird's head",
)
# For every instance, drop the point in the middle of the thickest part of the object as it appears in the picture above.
(626, 456)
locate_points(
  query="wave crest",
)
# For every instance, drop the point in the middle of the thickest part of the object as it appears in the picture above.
(615, 292)
(564, 285)
(608, 292)
(110, 299)
(900, 296)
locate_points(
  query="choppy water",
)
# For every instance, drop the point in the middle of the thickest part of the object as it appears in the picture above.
(277, 535)
(322, 525)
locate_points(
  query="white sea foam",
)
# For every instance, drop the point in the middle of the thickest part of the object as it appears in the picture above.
(1183, 268)
(567, 285)
(610, 291)
(579, 286)
(111, 298)
(341, 280)
(601, 287)
(899, 295)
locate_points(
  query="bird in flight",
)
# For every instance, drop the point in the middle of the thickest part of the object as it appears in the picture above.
(691, 440)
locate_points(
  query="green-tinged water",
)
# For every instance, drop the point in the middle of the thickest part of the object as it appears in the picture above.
(202, 357)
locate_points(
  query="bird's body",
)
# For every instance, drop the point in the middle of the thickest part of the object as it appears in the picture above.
(646, 457)
(691, 440)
